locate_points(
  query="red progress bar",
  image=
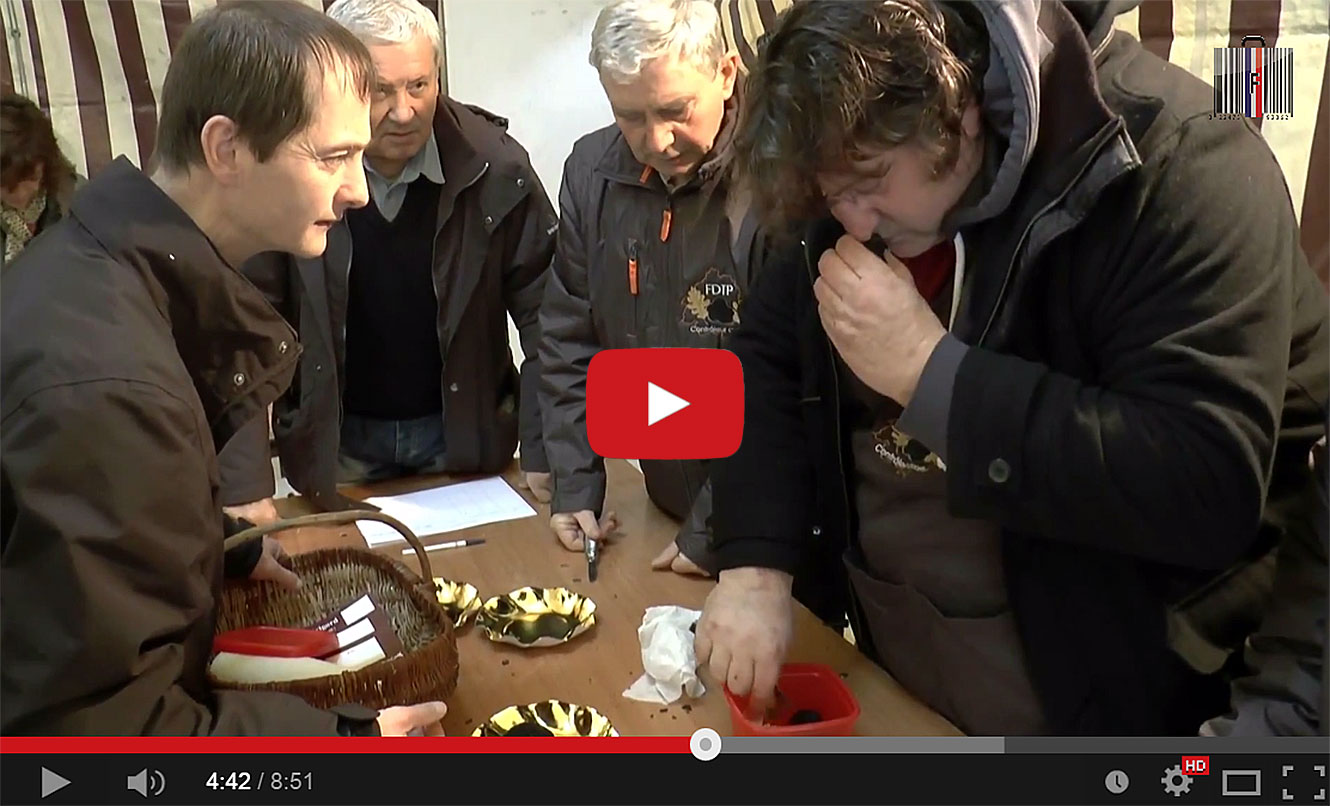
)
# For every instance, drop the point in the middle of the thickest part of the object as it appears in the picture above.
(336, 744)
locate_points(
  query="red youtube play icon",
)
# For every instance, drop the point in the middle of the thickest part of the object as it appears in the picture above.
(665, 403)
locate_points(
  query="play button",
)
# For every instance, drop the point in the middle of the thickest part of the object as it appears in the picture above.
(52, 782)
(665, 403)
(661, 404)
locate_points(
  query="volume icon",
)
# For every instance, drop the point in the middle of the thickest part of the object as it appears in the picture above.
(146, 782)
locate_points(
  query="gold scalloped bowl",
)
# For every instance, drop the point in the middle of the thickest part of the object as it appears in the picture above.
(460, 600)
(550, 718)
(534, 617)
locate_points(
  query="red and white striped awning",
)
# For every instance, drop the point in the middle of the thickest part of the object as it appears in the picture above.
(97, 66)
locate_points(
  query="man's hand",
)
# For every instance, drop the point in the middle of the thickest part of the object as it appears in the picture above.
(256, 512)
(412, 720)
(876, 318)
(674, 560)
(275, 566)
(540, 486)
(572, 528)
(745, 629)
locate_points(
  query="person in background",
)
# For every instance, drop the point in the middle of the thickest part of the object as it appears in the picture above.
(407, 367)
(131, 349)
(1032, 364)
(36, 180)
(654, 249)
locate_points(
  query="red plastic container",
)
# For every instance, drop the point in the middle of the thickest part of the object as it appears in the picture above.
(276, 642)
(810, 686)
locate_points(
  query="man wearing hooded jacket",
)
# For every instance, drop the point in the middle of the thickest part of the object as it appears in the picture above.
(1033, 363)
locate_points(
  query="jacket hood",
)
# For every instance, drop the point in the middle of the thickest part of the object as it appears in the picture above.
(1011, 105)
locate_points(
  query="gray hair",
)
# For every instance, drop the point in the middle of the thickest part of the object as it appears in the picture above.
(630, 33)
(389, 22)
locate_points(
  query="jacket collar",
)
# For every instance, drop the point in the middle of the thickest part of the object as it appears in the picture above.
(1075, 114)
(717, 162)
(468, 140)
(1083, 148)
(1095, 18)
(239, 353)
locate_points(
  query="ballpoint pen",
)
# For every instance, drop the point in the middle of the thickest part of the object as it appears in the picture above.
(452, 544)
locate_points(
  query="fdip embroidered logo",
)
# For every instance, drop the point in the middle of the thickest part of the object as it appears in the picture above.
(711, 306)
(904, 454)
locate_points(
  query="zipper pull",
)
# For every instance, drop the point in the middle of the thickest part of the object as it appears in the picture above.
(665, 218)
(632, 267)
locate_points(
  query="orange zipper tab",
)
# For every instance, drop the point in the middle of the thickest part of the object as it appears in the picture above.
(665, 220)
(632, 269)
(646, 174)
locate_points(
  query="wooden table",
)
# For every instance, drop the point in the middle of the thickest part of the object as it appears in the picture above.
(594, 668)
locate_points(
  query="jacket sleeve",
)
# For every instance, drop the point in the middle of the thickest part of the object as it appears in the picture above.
(531, 248)
(762, 496)
(240, 561)
(568, 342)
(1282, 696)
(245, 464)
(109, 568)
(245, 461)
(1166, 455)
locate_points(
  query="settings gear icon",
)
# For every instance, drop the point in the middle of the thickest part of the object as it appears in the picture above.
(1175, 783)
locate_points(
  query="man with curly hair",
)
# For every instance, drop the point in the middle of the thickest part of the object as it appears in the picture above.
(1045, 361)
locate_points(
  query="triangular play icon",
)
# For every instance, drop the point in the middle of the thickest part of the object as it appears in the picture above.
(52, 782)
(661, 404)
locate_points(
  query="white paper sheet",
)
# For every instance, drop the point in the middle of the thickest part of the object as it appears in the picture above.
(447, 509)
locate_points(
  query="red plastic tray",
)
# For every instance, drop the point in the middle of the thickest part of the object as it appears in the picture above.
(276, 642)
(804, 686)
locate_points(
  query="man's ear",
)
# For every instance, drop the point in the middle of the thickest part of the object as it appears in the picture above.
(222, 147)
(972, 123)
(729, 72)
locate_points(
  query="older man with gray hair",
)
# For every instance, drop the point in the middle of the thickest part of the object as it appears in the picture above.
(647, 224)
(407, 367)
(655, 250)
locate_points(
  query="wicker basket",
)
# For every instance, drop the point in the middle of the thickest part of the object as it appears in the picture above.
(427, 668)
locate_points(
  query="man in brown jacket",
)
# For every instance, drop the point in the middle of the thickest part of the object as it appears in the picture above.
(131, 349)
(407, 367)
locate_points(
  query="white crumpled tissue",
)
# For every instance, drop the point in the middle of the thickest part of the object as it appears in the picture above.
(667, 656)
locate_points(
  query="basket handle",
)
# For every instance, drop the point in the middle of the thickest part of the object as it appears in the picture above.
(335, 519)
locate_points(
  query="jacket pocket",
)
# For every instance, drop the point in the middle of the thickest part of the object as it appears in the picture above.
(900, 625)
(971, 670)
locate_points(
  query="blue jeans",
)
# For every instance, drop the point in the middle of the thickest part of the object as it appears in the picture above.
(375, 450)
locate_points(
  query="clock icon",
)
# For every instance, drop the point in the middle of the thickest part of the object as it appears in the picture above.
(1116, 782)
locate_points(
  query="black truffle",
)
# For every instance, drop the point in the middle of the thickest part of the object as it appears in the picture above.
(805, 716)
